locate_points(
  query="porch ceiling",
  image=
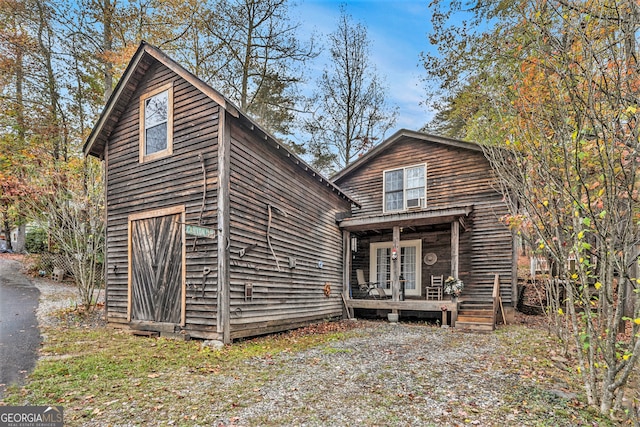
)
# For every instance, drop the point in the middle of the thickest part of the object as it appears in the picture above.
(406, 219)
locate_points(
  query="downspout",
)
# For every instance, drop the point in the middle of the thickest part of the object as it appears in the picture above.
(224, 161)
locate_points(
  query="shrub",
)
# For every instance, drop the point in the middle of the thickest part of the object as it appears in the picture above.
(36, 241)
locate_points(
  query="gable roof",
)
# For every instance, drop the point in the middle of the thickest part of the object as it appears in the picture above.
(393, 139)
(126, 86)
(143, 58)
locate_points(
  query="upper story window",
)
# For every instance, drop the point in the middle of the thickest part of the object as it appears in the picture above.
(405, 188)
(156, 123)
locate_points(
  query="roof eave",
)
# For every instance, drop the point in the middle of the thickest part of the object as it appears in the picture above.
(89, 145)
(419, 217)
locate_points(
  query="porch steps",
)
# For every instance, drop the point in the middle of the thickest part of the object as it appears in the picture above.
(478, 294)
(475, 315)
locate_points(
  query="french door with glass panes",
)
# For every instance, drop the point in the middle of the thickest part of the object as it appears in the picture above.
(410, 267)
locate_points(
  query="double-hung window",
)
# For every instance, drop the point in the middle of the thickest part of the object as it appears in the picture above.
(156, 123)
(405, 188)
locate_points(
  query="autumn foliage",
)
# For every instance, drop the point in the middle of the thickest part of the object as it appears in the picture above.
(554, 95)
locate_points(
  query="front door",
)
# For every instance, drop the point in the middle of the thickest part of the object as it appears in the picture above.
(410, 271)
(156, 267)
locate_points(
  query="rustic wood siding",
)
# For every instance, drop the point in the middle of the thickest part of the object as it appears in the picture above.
(491, 252)
(455, 177)
(303, 228)
(176, 180)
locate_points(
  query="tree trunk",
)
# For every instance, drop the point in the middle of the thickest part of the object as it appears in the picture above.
(7, 233)
(246, 66)
(20, 239)
(107, 46)
(45, 50)
(20, 97)
(607, 396)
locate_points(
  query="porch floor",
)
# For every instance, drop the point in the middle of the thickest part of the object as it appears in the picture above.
(413, 305)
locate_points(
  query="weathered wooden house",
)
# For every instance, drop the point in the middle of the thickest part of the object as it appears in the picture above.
(428, 210)
(214, 229)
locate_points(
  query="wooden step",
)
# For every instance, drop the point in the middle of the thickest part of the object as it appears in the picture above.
(473, 326)
(475, 301)
(478, 306)
(475, 312)
(477, 319)
(139, 333)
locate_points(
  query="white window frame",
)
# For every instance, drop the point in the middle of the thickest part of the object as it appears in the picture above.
(422, 202)
(144, 157)
(373, 262)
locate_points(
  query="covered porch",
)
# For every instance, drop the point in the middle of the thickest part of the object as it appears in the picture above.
(404, 254)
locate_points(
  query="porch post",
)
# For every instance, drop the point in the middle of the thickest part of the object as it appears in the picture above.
(455, 245)
(395, 266)
(346, 264)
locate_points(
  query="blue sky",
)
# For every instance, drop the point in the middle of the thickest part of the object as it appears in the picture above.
(397, 31)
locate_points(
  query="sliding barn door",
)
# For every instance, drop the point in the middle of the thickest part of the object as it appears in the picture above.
(156, 270)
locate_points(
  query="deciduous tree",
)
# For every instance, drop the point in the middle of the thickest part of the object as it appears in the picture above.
(16, 47)
(254, 57)
(349, 110)
(71, 210)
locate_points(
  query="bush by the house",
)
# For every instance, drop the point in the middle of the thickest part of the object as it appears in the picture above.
(36, 241)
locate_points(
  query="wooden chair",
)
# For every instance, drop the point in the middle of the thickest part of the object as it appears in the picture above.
(434, 291)
(361, 289)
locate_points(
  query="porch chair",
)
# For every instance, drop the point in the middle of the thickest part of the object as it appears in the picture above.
(372, 289)
(362, 283)
(379, 293)
(434, 291)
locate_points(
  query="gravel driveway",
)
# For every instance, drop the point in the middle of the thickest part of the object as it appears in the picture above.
(381, 375)
(390, 375)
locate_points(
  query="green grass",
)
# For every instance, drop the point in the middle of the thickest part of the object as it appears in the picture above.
(92, 371)
(90, 362)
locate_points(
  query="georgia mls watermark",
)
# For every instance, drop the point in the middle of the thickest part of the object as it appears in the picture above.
(31, 416)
